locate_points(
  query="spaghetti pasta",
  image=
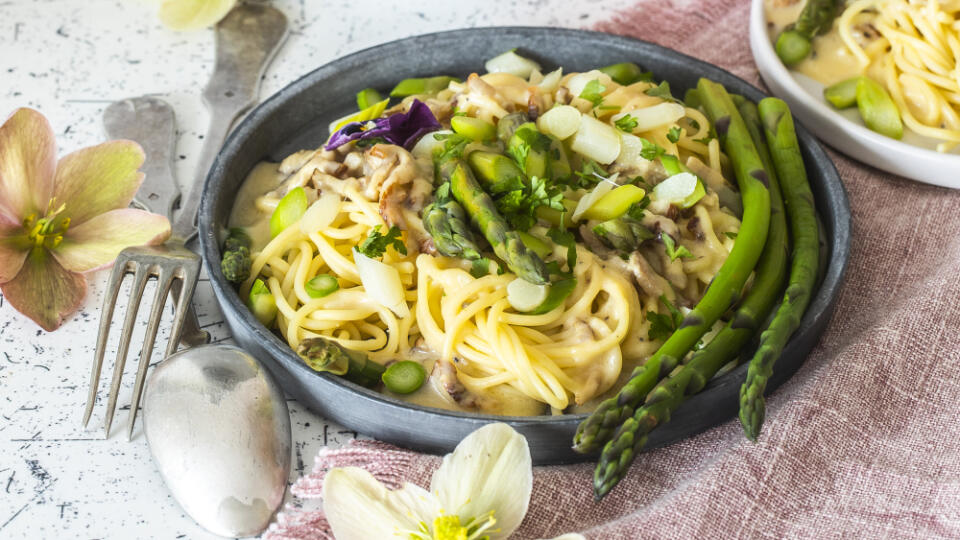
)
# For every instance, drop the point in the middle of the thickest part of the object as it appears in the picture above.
(918, 53)
(570, 354)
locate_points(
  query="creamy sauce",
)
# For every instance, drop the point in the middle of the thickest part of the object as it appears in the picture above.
(830, 61)
(264, 178)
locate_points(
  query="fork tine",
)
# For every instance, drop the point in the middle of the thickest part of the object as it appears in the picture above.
(186, 286)
(136, 294)
(106, 316)
(164, 279)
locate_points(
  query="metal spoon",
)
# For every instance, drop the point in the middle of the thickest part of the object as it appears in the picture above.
(219, 430)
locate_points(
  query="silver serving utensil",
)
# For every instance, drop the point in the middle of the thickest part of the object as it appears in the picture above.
(219, 431)
(246, 40)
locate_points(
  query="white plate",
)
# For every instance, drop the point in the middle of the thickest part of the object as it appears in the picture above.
(913, 157)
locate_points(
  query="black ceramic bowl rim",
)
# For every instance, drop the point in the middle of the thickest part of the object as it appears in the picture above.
(715, 404)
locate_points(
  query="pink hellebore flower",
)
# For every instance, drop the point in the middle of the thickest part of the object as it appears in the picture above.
(59, 220)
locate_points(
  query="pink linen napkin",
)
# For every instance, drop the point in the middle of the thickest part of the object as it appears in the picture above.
(863, 442)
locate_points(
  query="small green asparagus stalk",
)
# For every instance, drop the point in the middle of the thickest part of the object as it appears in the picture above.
(483, 212)
(429, 85)
(624, 233)
(842, 94)
(793, 44)
(262, 303)
(446, 222)
(236, 260)
(496, 172)
(782, 138)
(507, 125)
(626, 73)
(723, 292)
(667, 396)
(877, 109)
(530, 149)
(322, 354)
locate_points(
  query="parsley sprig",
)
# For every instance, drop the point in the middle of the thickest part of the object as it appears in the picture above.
(674, 251)
(593, 92)
(376, 244)
(663, 325)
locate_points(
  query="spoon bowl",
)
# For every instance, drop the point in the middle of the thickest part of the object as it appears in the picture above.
(219, 430)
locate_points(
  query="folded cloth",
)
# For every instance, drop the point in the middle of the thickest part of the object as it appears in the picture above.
(863, 442)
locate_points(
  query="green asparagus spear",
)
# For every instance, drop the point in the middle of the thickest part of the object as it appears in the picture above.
(877, 108)
(429, 85)
(236, 260)
(262, 303)
(722, 293)
(530, 149)
(626, 73)
(367, 98)
(446, 222)
(624, 233)
(483, 212)
(842, 94)
(509, 124)
(496, 172)
(782, 138)
(322, 354)
(664, 399)
(793, 44)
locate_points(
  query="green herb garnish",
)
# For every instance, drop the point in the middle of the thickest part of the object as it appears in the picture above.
(626, 123)
(376, 244)
(674, 250)
(674, 134)
(593, 91)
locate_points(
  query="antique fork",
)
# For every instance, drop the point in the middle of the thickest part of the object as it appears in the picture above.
(246, 40)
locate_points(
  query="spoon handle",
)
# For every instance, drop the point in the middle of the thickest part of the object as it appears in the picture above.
(246, 41)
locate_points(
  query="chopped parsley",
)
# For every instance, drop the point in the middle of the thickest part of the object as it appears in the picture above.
(519, 206)
(674, 250)
(662, 326)
(650, 150)
(731, 235)
(661, 91)
(593, 91)
(453, 145)
(565, 238)
(705, 140)
(674, 134)
(376, 244)
(589, 174)
(636, 209)
(530, 139)
(626, 123)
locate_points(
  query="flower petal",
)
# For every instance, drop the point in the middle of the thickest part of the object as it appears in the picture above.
(193, 14)
(14, 246)
(489, 470)
(44, 290)
(96, 243)
(98, 179)
(28, 157)
(359, 507)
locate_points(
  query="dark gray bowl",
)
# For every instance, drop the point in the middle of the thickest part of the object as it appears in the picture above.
(296, 118)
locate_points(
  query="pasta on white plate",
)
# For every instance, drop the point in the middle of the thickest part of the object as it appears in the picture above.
(524, 239)
(910, 47)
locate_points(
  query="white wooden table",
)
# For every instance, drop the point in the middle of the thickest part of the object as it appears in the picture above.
(69, 59)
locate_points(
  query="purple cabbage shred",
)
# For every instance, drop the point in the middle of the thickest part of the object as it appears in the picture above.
(402, 129)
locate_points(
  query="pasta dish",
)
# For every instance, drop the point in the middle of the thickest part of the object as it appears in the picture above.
(512, 243)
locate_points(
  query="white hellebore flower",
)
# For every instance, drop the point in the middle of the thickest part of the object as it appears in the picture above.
(481, 490)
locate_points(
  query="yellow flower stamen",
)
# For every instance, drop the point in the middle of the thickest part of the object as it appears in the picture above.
(449, 527)
(48, 231)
